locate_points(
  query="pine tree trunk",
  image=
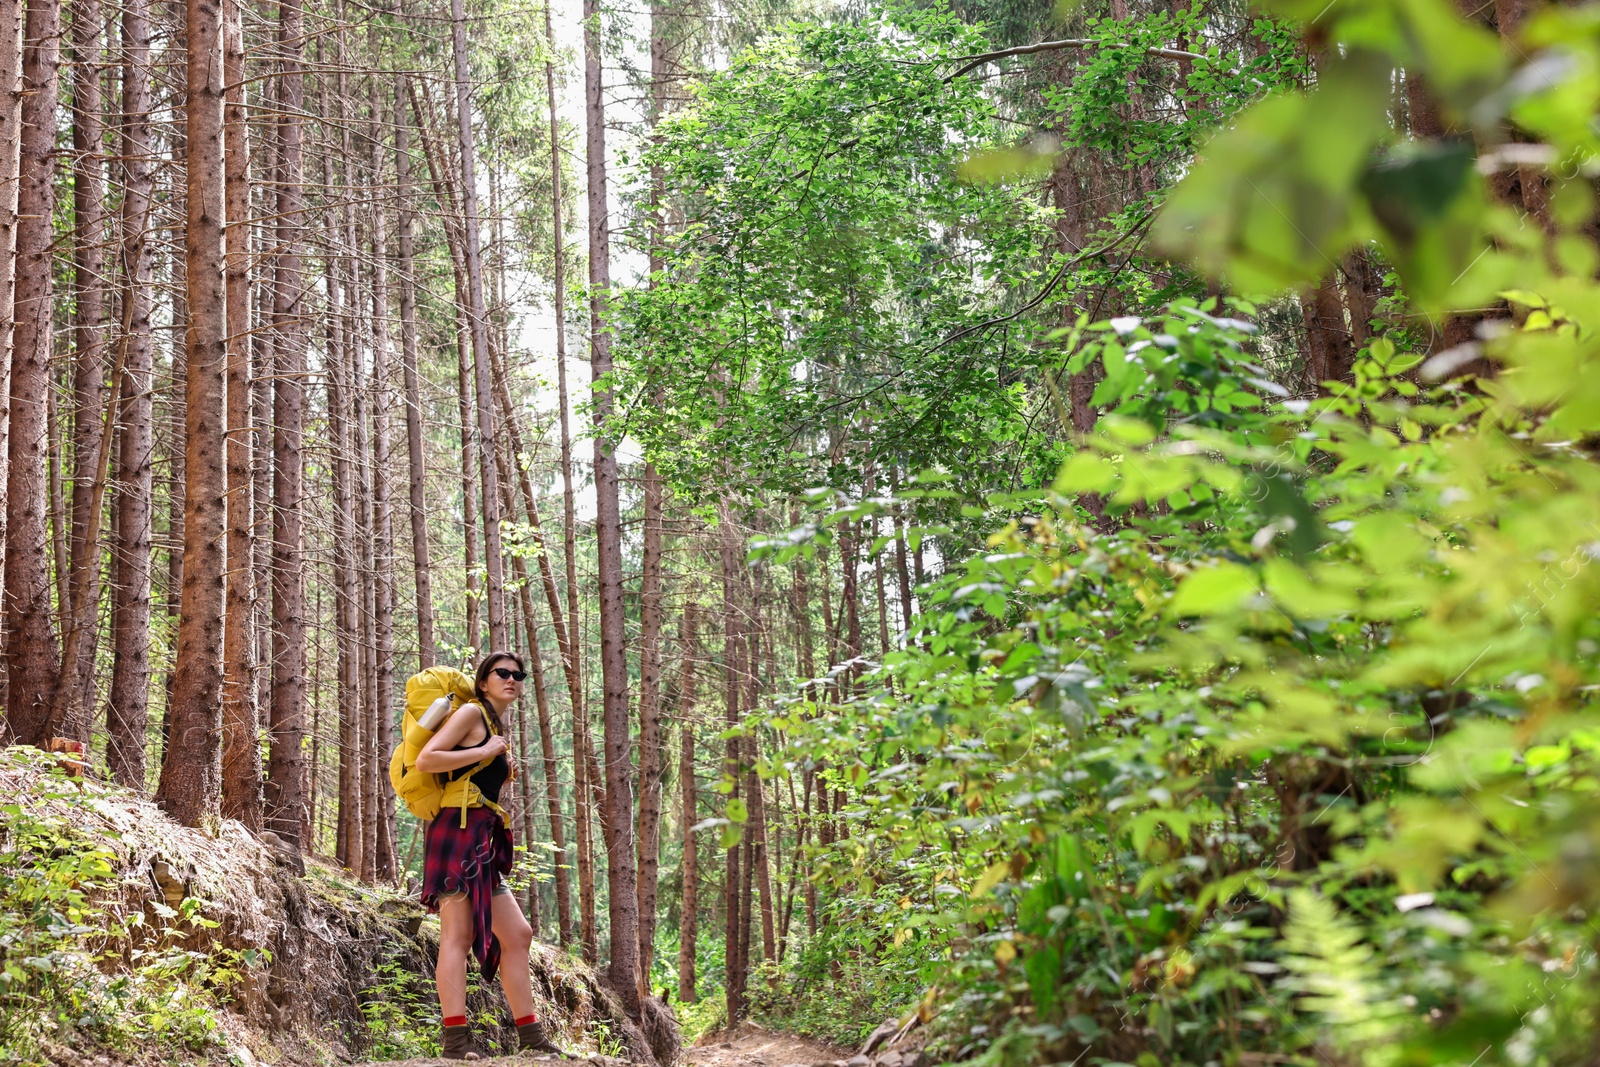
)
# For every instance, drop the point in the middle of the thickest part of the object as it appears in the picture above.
(571, 652)
(241, 750)
(11, 19)
(478, 328)
(650, 769)
(732, 669)
(902, 572)
(547, 749)
(348, 826)
(31, 655)
(128, 707)
(469, 492)
(384, 863)
(583, 808)
(763, 871)
(89, 353)
(427, 650)
(177, 409)
(286, 797)
(689, 921)
(617, 818)
(190, 789)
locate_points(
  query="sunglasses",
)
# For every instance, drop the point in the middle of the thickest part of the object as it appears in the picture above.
(509, 675)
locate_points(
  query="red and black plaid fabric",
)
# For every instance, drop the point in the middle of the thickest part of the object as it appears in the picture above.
(470, 859)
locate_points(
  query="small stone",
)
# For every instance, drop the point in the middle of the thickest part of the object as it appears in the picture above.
(726, 1044)
(891, 1059)
(858, 1061)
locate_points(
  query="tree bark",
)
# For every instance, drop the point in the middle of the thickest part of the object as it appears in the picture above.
(89, 413)
(241, 750)
(286, 811)
(547, 748)
(732, 670)
(31, 654)
(128, 707)
(1329, 354)
(11, 20)
(617, 821)
(190, 789)
(689, 911)
(478, 327)
(382, 529)
(572, 650)
(650, 768)
(1363, 287)
(348, 826)
(427, 650)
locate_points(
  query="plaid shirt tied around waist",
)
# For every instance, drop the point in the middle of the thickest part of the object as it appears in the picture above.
(472, 856)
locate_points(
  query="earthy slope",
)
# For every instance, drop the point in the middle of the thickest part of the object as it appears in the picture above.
(161, 943)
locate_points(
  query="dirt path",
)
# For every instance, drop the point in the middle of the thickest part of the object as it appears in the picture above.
(753, 1046)
(747, 1046)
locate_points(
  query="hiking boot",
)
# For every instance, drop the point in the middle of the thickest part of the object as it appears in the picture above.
(532, 1038)
(457, 1043)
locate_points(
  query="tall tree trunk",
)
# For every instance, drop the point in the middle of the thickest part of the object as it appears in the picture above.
(190, 789)
(732, 670)
(650, 769)
(850, 600)
(421, 570)
(478, 327)
(469, 493)
(11, 19)
(382, 529)
(689, 911)
(617, 820)
(348, 826)
(584, 833)
(572, 652)
(547, 749)
(128, 707)
(1329, 354)
(1363, 287)
(31, 656)
(88, 379)
(763, 871)
(241, 749)
(177, 415)
(650, 610)
(902, 572)
(286, 809)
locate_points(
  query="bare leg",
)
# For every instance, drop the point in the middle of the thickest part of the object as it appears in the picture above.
(515, 935)
(455, 941)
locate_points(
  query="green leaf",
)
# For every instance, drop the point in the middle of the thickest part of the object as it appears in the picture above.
(1210, 590)
(1272, 201)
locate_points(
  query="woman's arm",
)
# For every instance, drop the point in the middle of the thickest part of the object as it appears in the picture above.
(440, 753)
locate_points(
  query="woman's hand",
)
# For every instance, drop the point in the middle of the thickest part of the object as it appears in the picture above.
(492, 747)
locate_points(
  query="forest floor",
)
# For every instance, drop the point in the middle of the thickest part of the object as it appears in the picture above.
(749, 1045)
(746, 1046)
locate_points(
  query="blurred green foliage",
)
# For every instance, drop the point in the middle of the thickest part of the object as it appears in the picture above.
(1285, 749)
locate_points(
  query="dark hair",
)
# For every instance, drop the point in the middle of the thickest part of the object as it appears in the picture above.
(486, 665)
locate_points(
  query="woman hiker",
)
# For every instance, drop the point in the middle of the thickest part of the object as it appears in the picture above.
(467, 857)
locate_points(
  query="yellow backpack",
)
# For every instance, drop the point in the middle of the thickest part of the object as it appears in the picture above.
(423, 793)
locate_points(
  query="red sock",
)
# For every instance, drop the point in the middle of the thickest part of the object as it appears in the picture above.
(525, 1020)
(455, 1020)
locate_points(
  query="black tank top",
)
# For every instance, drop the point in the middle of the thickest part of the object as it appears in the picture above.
(490, 779)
